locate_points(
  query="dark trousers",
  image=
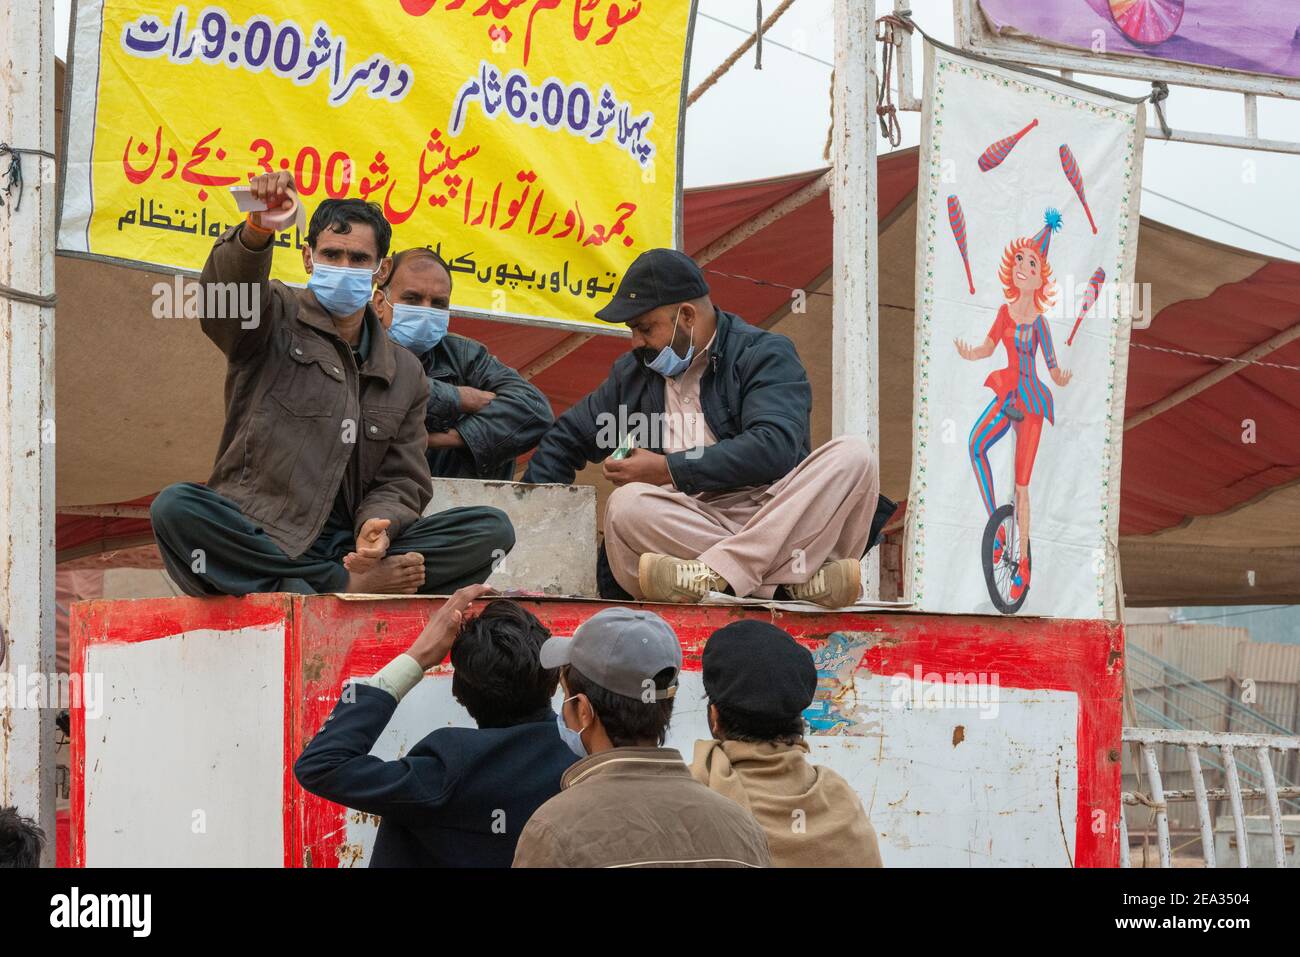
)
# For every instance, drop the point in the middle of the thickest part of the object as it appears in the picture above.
(210, 548)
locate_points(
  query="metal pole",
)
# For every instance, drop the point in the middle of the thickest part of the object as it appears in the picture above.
(27, 734)
(1202, 805)
(855, 401)
(1158, 796)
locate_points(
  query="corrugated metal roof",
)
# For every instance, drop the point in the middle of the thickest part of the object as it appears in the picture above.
(1205, 652)
(1267, 661)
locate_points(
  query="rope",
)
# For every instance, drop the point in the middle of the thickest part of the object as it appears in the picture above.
(1140, 798)
(891, 305)
(1202, 355)
(781, 285)
(886, 111)
(15, 171)
(9, 292)
(830, 129)
(729, 62)
(1160, 93)
(911, 24)
(1226, 222)
(14, 186)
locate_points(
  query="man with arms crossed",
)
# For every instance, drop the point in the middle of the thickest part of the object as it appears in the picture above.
(482, 413)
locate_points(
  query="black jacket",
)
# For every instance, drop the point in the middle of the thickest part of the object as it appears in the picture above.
(495, 436)
(459, 798)
(755, 397)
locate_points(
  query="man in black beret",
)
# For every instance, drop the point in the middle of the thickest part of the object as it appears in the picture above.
(722, 490)
(759, 680)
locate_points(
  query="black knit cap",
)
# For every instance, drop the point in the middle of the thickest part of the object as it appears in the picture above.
(756, 669)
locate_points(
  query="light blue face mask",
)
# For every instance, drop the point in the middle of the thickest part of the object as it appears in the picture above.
(342, 290)
(418, 328)
(668, 363)
(570, 737)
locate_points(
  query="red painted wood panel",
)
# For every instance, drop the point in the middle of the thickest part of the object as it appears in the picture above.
(329, 638)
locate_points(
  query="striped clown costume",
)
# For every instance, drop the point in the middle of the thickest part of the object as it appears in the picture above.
(1021, 399)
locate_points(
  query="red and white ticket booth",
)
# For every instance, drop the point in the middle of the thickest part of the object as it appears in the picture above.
(973, 741)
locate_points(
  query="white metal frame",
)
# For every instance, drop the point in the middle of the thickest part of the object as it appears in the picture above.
(971, 33)
(1228, 743)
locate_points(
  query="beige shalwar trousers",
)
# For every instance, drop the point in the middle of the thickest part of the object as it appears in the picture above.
(755, 538)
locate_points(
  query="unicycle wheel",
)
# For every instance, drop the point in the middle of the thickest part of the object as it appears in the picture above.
(998, 575)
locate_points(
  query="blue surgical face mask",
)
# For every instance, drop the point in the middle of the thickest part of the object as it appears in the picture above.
(418, 328)
(570, 737)
(668, 363)
(342, 290)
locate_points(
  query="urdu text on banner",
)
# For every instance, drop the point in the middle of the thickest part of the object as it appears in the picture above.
(535, 145)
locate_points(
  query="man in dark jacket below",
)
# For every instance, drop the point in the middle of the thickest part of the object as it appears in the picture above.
(720, 493)
(630, 802)
(460, 797)
(320, 476)
(482, 414)
(759, 681)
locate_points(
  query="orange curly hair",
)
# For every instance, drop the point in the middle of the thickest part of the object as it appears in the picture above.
(1045, 294)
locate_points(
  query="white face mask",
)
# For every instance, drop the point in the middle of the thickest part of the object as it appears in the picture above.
(570, 737)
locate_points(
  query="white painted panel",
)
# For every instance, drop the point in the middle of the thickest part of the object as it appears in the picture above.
(191, 723)
(1005, 795)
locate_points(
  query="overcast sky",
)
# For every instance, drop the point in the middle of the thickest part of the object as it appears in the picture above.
(755, 124)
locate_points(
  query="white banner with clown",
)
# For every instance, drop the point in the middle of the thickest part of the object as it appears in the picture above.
(1027, 230)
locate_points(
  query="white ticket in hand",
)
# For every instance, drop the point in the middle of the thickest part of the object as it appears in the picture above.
(246, 202)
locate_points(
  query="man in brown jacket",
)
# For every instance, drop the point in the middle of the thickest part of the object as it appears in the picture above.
(320, 475)
(759, 681)
(629, 802)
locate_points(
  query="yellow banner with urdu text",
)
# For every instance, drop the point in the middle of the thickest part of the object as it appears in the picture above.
(534, 144)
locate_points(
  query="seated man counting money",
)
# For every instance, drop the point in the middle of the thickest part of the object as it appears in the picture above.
(726, 497)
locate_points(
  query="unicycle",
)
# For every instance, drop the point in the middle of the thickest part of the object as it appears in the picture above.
(998, 574)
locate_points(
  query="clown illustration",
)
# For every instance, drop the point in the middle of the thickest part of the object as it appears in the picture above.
(1021, 400)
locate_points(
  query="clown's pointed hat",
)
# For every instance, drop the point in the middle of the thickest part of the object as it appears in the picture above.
(1043, 238)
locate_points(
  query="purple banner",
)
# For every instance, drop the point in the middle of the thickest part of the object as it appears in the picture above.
(1252, 36)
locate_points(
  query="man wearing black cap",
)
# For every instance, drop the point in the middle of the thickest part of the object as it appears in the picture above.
(720, 493)
(629, 801)
(759, 680)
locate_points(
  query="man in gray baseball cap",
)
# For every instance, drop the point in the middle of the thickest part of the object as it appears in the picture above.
(629, 801)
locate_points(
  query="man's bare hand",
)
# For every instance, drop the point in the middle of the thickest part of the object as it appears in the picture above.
(277, 190)
(446, 440)
(640, 466)
(473, 400)
(435, 641)
(372, 546)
